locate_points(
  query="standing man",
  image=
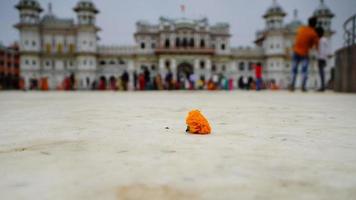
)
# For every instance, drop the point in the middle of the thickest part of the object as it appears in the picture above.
(125, 80)
(306, 39)
(323, 53)
(258, 74)
(168, 80)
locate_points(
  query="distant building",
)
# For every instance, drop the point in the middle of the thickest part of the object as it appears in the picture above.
(55, 48)
(277, 39)
(9, 67)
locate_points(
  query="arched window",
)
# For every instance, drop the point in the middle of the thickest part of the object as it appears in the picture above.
(213, 68)
(121, 62)
(185, 42)
(272, 23)
(143, 45)
(191, 42)
(202, 64)
(223, 46)
(167, 64)
(167, 43)
(177, 42)
(202, 43)
(250, 66)
(242, 66)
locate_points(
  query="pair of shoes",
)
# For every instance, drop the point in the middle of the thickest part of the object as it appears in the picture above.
(291, 88)
(304, 89)
(321, 90)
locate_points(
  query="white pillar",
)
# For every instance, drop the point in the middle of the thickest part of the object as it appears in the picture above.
(26, 79)
(174, 68)
(231, 70)
(197, 41)
(207, 69)
(196, 65)
(196, 70)
(245, 72)
(161, 67)
(173, 40)
(131, 68)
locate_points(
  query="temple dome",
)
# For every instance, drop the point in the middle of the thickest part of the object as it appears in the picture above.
(322, 10)
(295, 23)
(29, 4)
(274, 10)
(86, 5)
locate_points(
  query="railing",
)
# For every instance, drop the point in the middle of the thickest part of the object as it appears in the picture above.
(188, 50)
(345, 65)
(350, 31)
(117, 50)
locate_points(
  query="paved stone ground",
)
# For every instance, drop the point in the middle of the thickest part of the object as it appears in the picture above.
(106, 145)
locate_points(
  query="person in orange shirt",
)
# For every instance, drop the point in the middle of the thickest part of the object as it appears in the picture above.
(306, 39)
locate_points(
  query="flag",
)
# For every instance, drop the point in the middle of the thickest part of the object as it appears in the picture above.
(182, 8)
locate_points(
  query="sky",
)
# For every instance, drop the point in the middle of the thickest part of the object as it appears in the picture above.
(117, 18)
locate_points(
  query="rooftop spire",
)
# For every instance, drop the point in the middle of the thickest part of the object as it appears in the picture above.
(50, 8)
(295, 13)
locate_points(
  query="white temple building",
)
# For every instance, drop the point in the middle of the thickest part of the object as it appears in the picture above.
(54, 48)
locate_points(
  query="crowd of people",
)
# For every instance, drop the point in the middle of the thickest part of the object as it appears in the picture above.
(184, 81)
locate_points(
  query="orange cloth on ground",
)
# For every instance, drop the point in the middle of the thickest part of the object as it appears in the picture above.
(306, 38)
(197, 123)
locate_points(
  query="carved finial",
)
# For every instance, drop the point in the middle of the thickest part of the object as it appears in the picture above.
(50, 8)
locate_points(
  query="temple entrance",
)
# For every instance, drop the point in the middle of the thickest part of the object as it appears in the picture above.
(184, 76)
(185, 70)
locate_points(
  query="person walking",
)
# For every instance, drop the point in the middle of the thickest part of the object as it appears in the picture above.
(147, 75)
(323, 53)
(168, 80)
(125, 80)
(258, 74)
(141, 81)
(305, 40)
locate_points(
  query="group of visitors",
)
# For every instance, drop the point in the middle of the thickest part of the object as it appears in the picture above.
(309, 37)
(185, 81)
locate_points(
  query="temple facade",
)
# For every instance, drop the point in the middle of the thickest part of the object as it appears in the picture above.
(56, 48)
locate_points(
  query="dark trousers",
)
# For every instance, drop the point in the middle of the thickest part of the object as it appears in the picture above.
(321, 66)
(304, 61)
(258, 83)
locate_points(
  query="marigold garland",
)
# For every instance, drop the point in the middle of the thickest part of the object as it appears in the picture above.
(197, 123)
